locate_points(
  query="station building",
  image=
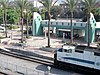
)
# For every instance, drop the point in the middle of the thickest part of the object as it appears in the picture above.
(63, 27)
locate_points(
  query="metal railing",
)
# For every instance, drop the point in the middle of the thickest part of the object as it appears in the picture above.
(13, 69)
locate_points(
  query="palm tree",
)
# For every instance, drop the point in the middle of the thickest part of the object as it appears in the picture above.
(27, 17)
(72, 4)
(89, 7)
(48, 4)
(5, 4)
(28, 12)
(22, 5)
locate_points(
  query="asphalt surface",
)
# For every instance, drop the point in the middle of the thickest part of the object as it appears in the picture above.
(29, 67)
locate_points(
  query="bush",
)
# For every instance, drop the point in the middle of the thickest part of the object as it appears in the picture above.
(9, 27)
(15, 27)
(12, 27)
(29, 31)
(1, 37)
(72, 44)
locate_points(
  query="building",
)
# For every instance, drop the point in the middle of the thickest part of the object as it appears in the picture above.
(37, 4)
(77, 14)
(62, 27)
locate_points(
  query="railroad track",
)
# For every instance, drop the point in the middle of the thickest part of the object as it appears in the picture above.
(28, 56)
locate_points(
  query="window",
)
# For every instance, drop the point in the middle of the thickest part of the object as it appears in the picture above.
(96, 54)
(95, 24)
(68, 50)
(62, 23)
(74, 24)
(79, 51)
(81, 24)
(93, 21)
(68, 24)
(60, 50)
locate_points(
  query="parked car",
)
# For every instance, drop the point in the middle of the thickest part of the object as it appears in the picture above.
(2, 29)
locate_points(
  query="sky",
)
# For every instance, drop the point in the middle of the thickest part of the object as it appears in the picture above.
(59, 1)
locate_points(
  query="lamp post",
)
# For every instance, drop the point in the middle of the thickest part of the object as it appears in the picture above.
(47, 72)
(11, 26)
(25, 11)
(26, 14)
(24, 42)
(11, 31)
(49, 68)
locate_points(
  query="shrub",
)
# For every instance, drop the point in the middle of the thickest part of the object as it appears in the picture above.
(12, 27)
(1, 37)
(15, 27)
(69, 43)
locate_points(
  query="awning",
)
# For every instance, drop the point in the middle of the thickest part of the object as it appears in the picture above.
(67, 30)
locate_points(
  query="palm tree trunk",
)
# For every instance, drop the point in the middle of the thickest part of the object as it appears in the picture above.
(71, 27)
(5, 23)
(22, 27)
(3, 18)
(88, 18)
(49, 30)
(27, 35)
(19, 20)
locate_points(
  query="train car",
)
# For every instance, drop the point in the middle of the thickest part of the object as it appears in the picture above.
(79, 57)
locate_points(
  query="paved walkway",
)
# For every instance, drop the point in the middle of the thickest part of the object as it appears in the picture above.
(35, 43)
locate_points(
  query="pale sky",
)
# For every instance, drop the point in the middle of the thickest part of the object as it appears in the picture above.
(59, 1)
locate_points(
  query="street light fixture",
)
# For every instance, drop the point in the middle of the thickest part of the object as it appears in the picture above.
(25, 11)
(49, 68)
(47, 72)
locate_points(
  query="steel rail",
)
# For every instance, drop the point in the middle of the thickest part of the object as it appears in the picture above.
(28, 58)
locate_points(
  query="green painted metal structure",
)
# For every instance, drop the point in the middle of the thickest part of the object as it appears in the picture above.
(38, 25)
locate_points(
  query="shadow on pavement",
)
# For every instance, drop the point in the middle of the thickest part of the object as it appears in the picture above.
(53, 70)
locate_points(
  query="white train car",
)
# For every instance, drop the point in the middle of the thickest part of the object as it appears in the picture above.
(78, 57)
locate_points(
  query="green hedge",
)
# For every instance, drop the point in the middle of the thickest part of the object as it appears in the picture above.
(1, 37)
(69, 43)
(12, 27)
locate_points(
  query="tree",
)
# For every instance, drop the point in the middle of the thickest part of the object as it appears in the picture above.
(5, 4)
(56, 11)
(28, 16)
(35, 9)
(12, 16)
(22, 5)
(89, 7)
(48, 4)
(1, 19)
(43, 11)
(97, 14)
(72, 4)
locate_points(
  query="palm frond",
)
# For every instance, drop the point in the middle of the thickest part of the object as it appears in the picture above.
(48, 4)
(23, 4)
(5, 4)
(72, 4)
(90, 5)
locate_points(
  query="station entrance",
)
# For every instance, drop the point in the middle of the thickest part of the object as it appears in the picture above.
(66, 33)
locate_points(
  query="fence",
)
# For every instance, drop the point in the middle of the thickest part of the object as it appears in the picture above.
(13, 69)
